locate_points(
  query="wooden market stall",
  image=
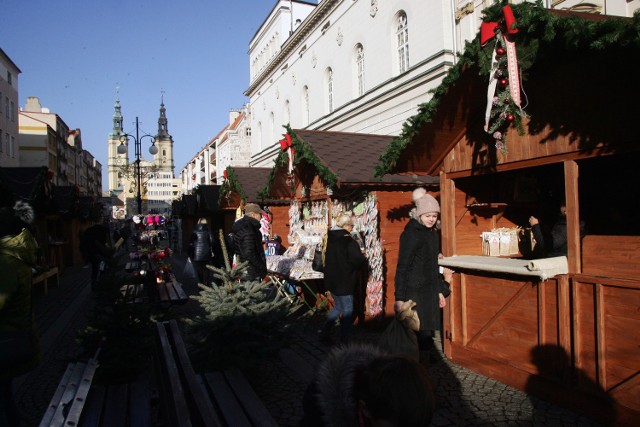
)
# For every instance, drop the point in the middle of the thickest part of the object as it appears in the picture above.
(569, 333)
(332, 172)
(244, 185)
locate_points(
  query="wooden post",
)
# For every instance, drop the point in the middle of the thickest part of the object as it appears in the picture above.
(571, 174)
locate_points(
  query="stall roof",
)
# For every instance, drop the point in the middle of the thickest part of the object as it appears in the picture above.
(252, 180)
(352, 157)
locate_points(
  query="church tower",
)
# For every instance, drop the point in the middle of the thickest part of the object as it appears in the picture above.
(164, 159)
(116, 161)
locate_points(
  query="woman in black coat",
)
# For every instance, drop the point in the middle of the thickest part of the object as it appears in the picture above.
(201, 250)
(417, 274)
(342, 261)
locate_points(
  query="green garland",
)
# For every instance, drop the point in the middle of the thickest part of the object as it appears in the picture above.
(230, 184)
(540, 32)
(304, 151)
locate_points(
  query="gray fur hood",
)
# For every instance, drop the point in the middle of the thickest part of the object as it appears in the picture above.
(335, 382)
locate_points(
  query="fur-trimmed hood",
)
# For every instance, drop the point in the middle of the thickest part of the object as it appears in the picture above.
(335, 382)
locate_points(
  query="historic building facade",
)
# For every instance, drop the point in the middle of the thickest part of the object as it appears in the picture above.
(158, 185)
(9, 150)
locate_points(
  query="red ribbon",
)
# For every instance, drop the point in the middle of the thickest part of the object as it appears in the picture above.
(488, 29)
(225, 174)
(286, 142)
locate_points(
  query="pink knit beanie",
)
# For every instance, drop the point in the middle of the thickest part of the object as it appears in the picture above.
(427, 204)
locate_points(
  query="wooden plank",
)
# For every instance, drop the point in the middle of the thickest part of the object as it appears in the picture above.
(115, 405)
(173, 394)
(194, 390)
(57, 395)
(226, 400)
(601, 359)
(182, 295)
(463, 308)
(140, 403)
(171, 292)
(70, 390)
(504, 308)
(542, 314)
(73, 416)
(254, 407)
(573, 215)
(564, 314)
(93, 409)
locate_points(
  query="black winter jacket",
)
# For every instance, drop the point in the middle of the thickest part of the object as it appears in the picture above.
(201, 244)
(341, 263)
(247, 245)
(417, 275)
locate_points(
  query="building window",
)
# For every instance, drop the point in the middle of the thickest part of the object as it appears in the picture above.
(247, 131)
(1, 139)
(305, 105)
(402, 35)
(13, 147)
(6, 107)
(330, 90)
(6, 143)
(9, 78)
(272, 128)
(360, 69)
(287, 113)
(13, 111)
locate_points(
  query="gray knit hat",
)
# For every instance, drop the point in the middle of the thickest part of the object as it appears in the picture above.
(426, 204)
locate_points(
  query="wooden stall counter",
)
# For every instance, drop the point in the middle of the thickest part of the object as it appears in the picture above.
(543, 268)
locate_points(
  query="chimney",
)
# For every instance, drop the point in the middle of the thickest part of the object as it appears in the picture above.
(33, 105)
(233, 115)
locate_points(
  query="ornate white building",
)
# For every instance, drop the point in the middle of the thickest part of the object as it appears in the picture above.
(360, 65)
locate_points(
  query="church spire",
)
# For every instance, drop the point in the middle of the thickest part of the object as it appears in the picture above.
(117, 116)
(163, 130)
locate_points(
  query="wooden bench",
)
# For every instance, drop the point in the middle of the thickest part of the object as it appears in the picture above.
(213, 399)
(171, 292)
(44, 278)
(69, 398)
(78, 402)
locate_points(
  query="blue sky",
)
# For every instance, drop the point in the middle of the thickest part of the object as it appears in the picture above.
(73, 54)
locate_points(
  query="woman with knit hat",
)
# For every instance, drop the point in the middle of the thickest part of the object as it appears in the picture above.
(417, 274)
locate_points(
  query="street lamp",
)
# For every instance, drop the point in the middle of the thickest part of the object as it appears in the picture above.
(122, 149)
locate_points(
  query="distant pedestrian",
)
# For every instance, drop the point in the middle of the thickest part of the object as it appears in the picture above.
(201, 250)
(247, 243)
(93, 242)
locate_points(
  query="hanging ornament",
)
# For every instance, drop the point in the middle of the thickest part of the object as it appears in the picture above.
(510, 117)
(504, 82)
(500, 51)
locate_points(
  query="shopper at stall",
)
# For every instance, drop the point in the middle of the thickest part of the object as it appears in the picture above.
(93, 242)
(417, 274)
(342, 261)
(201, 250)
(19, 344)
(247, 243)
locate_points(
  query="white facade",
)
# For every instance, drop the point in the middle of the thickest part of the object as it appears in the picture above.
(230, 147)
(9, 150)
(362, 66)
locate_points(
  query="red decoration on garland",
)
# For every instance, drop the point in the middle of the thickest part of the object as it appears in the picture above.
(510, 117)
(225, 174)
(500, 51)
(488, 29)
(504, 82)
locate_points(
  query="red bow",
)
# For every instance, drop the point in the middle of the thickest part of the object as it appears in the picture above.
(225, 174)
(488, 29)
(286, 142)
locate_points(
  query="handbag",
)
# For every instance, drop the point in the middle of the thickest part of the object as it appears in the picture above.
(189, 271)
(317, 264)
(16, 346)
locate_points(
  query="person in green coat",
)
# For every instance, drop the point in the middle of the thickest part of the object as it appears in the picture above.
(18, 254)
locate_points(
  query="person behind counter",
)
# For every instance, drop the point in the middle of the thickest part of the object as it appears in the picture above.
(417, 273)
(558, 244)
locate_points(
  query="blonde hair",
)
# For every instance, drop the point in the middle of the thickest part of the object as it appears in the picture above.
(344, 219)
(202, 221)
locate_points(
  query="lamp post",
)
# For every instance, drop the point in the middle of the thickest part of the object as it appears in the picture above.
(122, 149)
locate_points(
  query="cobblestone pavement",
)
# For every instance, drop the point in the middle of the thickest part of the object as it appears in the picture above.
(464, 398)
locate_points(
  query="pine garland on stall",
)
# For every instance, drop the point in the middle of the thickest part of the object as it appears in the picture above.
(539, 34)
(244, 322)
